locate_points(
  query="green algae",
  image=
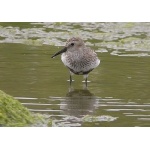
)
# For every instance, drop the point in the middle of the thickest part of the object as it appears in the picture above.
(129, 25)
(90, 118)
(129, 40)
(13, 113)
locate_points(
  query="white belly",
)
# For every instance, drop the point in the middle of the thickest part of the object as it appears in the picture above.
(79, 64)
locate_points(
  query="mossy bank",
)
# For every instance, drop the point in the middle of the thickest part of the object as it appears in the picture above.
(13, 113)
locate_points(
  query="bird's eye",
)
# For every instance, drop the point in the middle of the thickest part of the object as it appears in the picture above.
(72, 44)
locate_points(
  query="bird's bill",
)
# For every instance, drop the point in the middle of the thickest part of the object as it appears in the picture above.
(60, 52)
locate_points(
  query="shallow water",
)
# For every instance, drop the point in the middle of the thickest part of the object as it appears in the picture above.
(118, 94)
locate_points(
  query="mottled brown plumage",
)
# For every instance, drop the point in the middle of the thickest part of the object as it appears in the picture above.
(78, 58)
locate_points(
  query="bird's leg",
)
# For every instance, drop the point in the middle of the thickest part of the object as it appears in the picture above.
(86, 80)
(85, 77)
(70, 78)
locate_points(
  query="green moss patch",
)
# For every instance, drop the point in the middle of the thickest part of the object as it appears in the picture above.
(13, 113)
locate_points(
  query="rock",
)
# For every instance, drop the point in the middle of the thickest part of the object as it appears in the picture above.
(13, 113)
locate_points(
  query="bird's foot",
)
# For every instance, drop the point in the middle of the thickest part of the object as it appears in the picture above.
(71, 80)
(86, 81)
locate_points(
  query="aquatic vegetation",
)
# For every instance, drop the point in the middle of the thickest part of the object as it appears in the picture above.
(14, 114)
(89, 118)
(113, 36)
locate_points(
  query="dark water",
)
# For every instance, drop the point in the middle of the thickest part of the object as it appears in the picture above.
(119, 91)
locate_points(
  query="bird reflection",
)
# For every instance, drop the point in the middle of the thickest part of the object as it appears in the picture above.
(78, 102)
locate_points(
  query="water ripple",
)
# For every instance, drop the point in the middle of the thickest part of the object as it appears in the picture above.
(80, 111)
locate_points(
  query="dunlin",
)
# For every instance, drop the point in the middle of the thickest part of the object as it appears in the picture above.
(78, 58)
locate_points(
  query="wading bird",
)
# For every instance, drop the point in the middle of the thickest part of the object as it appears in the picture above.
(78, 58)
